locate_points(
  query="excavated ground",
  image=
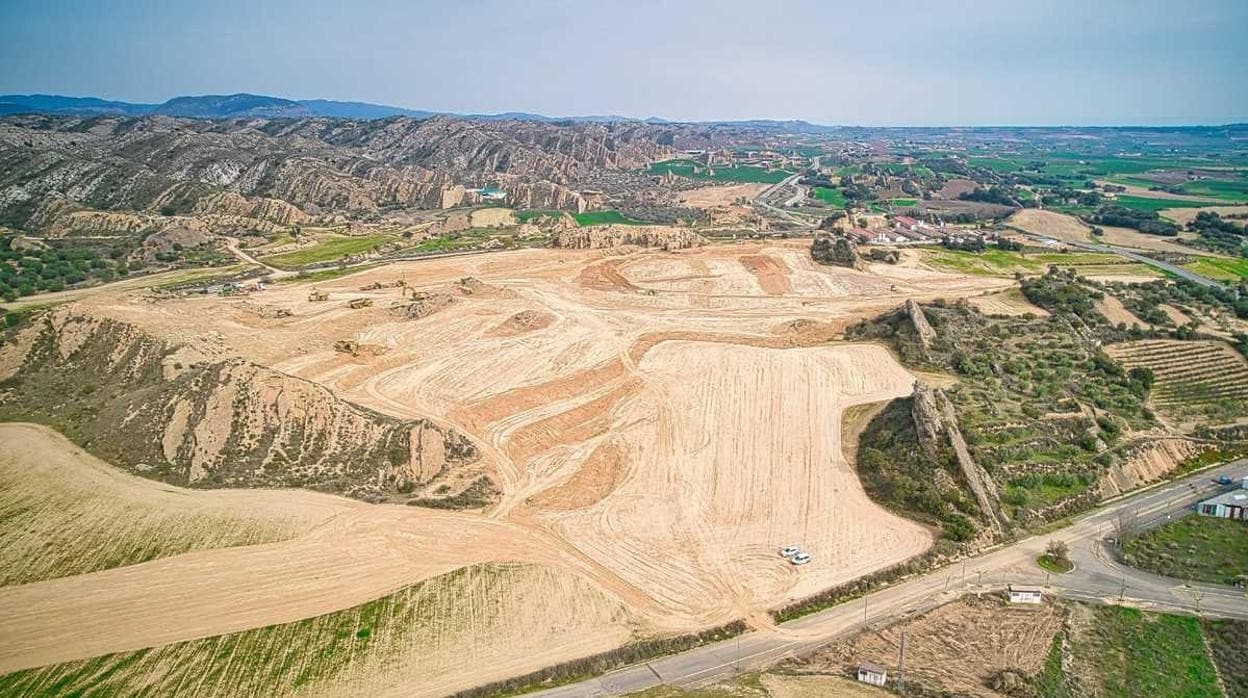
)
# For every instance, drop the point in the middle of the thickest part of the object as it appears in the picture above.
(658, 425)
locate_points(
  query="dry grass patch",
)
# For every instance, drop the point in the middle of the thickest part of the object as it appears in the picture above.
(957, 647)
(65, 512)
(498, 619)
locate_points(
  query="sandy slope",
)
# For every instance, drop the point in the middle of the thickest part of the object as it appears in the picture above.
(672, 421)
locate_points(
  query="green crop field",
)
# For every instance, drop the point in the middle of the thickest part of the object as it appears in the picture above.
(995, 164)
(1220, 268)
(1144, 203)
(1127, 652)
(994, 262)
(604, 218)
(1218, 189)
(328, 250)
(742, 173)
(833, 197)
(1200, 548)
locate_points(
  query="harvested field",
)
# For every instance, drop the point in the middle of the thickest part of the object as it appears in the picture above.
(1050, 224)
(1067, 228)
(1116, 312)
(957, 647)
(713, 197)
(1183, 216)
(1009, 302)
(1205, 379)
(656, 424)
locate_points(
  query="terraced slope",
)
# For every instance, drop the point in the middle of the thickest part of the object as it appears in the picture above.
(1193, 379)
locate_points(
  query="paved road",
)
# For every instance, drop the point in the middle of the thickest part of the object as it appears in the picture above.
(762, 200)
(1132, 254)
(1096, 578)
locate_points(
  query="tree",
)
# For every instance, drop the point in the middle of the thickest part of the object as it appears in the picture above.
(1125, 526)
(1058, 551)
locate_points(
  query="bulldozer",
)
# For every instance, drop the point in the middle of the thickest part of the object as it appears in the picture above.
(318, 295)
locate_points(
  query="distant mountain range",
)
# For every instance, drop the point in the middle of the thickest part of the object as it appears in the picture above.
(242, 106)
(256, 106)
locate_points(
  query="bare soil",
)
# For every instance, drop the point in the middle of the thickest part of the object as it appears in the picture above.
(674, 423)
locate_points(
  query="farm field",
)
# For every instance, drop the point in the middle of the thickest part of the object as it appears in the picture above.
(741, 173)
(1194, 380)
(994, 262)
(832, 197)
(327, 250)
(1011, 302)
(1220, 268)
(603, 218)
(1119, 651)
(652, 441)
(68, 513)
(1148, 203)
(404, 643)
(1199, 548)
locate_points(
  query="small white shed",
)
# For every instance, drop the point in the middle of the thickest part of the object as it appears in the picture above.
(872, 673)
(1020, 593)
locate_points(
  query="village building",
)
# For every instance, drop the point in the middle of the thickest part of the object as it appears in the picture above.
(872, 673)
(1020, 593)
(1228, 505)
(905, 223)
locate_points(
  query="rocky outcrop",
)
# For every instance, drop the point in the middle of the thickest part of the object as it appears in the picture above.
(936, 424)
(600, 236)
(922, 328)
(1147, 462)
(282, 171)
(838, 251)
(195, 419)
(928, 423)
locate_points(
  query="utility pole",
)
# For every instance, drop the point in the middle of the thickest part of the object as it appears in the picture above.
(901, 664)
(1123, 589)
(864, 609)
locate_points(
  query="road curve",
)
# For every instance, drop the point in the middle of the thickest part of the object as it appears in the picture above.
(1096, 579)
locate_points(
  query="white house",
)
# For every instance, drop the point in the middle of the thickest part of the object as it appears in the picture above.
(1020, 593)
(872, 673)
(1228, 505)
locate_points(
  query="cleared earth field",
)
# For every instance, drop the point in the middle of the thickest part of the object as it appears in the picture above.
(1011, 302)
(710, 197)
(670, 421)
(1193, 379)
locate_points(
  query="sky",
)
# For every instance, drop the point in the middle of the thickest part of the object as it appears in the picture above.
(870, 62)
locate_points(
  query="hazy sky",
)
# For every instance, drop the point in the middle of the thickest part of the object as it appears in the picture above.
(871, 62)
